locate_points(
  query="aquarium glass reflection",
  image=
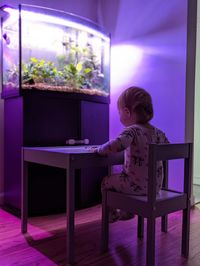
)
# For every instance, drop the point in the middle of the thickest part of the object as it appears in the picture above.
(10, 48)
(58, 51)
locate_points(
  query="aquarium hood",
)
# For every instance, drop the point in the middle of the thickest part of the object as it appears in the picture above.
(51, 19)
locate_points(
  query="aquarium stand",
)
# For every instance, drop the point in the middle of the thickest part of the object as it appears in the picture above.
(42, 119)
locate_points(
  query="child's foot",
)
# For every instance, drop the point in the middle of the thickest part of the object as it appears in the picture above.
(114, 215)
(126, 215)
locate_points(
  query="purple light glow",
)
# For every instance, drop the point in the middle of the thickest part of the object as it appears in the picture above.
(125, 62)
(8, 9)
(12, 18)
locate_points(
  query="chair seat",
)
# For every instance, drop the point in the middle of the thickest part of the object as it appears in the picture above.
(166, 201)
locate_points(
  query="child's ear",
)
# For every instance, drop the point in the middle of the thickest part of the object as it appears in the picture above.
(126, 111)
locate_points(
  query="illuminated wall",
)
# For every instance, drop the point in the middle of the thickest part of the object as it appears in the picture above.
(149, 50)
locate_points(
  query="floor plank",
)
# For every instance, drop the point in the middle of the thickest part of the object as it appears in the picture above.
(44, 244)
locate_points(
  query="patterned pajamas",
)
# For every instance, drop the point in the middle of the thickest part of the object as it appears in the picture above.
(134, 140)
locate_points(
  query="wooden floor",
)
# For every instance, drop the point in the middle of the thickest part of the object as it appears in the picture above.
(45, 243)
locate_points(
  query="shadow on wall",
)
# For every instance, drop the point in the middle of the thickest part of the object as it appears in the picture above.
(132, 19)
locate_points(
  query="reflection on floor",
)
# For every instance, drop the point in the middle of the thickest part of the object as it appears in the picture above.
(45, 242)
(196, 193)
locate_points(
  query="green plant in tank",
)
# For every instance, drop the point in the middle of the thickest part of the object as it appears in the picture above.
(77, 67)
(92, 70)
(37, 71)
(75, 56)
(72, 75)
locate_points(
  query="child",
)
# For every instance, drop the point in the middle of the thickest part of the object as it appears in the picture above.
(135, 112)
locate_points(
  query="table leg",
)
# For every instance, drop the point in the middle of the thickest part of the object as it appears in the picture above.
(70, 214)
(24, 197)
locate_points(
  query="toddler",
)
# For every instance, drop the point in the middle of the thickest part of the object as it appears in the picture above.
(135, 112)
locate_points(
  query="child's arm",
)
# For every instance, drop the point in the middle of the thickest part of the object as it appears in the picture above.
(166, 139)
(119, 144)
(163, 138)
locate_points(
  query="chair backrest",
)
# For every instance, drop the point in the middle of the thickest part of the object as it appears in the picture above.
(166, 152)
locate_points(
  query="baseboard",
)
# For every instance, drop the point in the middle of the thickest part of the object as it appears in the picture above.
(11, 210)
(192, 200)
(1, 198)
(196, 180)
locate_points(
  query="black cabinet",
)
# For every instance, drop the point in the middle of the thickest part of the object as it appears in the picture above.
(56, 86)
(40, 118)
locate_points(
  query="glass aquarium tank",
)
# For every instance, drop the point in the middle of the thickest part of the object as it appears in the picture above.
(50, 50)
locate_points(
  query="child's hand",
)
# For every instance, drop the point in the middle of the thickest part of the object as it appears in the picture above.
(93, 149)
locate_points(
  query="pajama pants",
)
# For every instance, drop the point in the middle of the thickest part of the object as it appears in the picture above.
(121, 183)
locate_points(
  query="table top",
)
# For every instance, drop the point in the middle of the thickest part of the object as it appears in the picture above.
(77, 156)
(65, 149)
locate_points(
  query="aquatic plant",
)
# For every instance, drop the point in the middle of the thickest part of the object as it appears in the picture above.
(38, 71)
(80, 65)
(84, 73)
(72, 75)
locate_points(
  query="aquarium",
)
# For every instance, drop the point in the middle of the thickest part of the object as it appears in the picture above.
(49, 50)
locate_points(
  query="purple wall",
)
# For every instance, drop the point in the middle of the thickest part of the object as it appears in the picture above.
(1, 151)
(149, 50)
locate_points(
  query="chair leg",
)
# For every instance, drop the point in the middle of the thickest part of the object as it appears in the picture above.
(185, 231)
(150, 251)
(105, 223)
(164, 223)
(140, 228)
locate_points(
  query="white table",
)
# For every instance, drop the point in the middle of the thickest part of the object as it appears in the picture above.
(69, 158)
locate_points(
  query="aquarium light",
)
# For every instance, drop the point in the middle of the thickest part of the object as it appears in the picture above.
(34, 16)
(29, 15)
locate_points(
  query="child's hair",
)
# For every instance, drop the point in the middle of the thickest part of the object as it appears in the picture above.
(139, 101)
